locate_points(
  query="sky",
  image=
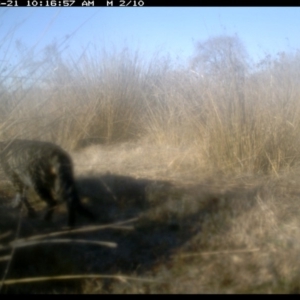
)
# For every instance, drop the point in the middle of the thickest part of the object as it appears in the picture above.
(171, 31)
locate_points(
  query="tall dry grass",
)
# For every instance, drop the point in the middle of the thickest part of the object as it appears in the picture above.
(108, 97)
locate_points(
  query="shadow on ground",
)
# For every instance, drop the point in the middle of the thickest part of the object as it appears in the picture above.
(169, 216)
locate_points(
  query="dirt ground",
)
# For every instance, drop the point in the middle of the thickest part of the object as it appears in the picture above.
(176, 229)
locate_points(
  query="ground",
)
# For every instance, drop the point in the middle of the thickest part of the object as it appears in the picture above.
(183, 230)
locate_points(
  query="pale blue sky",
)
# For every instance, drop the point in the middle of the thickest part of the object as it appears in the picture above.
(169, 30)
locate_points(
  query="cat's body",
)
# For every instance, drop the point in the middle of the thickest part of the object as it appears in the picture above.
(45, 167)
